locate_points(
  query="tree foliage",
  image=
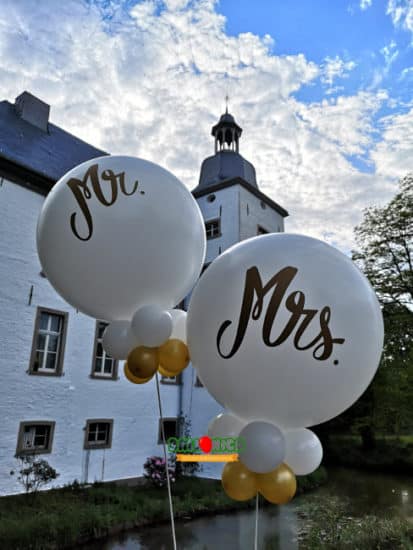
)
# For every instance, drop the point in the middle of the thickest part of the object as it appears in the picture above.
(385, 247)
(385, 254)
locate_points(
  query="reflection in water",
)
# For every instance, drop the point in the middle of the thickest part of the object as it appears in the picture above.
(226, 531)
(278, 527)
(372, 493)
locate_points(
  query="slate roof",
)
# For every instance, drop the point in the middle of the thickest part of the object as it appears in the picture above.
(49, 154)
(225, 165)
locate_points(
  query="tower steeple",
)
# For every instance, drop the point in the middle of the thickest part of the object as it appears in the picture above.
(226, 133)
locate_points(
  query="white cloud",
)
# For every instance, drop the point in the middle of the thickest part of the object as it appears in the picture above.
(393, 155)
(152, 82)
(390, 53)
(401, 13)
(364, 4)
(336, 68)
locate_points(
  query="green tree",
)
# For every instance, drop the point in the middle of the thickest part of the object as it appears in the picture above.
(385, 254)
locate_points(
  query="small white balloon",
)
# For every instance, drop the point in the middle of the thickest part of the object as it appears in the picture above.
(179, 324)
(152, 325)
(118, 339)
(226, 425)
(262, 447)
(303, 451)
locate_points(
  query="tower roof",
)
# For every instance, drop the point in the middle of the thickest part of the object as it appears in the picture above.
(227, 163)
(227, 167)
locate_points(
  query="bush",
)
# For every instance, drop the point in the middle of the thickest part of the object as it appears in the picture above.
(155, 471)
(34, 473)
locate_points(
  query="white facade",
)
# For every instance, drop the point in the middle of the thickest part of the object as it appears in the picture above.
(71, 399)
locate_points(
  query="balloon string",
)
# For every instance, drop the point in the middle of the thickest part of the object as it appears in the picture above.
(256, 521)
(168, 481)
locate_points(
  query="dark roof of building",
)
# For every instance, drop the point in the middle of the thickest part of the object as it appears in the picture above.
(225, 165)
(48, 154)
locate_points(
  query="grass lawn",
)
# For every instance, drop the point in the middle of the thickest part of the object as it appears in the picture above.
(62, 517)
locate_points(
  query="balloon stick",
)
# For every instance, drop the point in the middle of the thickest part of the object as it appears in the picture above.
(168, 481)
(256, 521)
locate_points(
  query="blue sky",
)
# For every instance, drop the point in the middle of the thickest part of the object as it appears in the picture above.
(322, 89)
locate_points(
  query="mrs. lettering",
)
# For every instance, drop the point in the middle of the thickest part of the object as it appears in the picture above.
(300, 319)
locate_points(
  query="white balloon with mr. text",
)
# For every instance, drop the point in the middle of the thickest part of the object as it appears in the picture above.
(285, 328)
(117, 233)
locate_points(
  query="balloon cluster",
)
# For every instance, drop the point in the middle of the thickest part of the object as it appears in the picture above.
(123, 240)
(269, 458)
(291, 339)
(155, 340)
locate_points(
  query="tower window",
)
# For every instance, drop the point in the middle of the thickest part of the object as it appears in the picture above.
(213, 229)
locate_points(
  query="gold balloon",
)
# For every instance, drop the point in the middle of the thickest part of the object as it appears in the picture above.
(165, 372)
(173, 356)
(134, 379)
(143, 362)
(278, 486)
(238, 482)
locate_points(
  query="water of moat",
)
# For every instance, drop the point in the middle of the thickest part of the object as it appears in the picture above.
(279, 527)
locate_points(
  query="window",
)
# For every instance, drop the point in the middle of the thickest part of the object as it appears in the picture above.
(261, 230)
(171, 428)
(103, 365)
(213, 229)
(198, 382)
(48, 342)
(98, 434)
(35, 437)
(172, 380)
(211, 198)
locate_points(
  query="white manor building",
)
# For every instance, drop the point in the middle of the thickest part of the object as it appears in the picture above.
(61, 397)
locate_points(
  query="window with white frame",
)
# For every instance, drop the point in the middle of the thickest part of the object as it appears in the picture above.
(48, 342)
(213, 228)
(103, 365)
(98, 434)
(35, 437)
